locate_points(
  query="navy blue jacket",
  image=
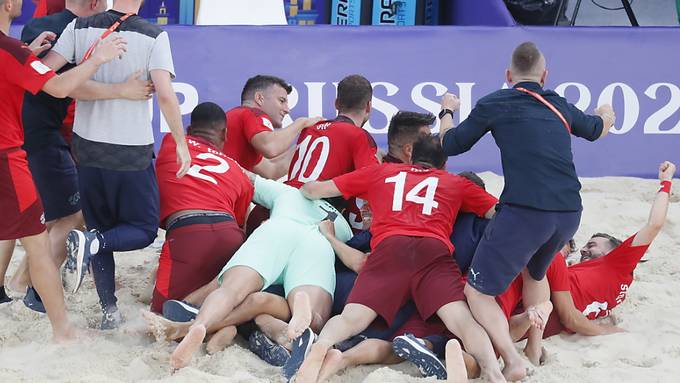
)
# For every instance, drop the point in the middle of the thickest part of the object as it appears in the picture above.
(534, 143)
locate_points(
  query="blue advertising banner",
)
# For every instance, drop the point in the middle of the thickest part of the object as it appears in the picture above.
(635, 69)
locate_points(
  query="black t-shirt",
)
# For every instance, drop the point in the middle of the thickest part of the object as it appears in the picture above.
(43, 114)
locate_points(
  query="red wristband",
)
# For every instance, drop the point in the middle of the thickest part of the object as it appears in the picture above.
(665, 187)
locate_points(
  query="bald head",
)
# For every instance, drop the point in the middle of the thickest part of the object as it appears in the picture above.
(528, 64)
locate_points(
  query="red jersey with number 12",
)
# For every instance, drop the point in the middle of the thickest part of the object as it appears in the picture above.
(330, 149)
(412, 200)
(214, 181)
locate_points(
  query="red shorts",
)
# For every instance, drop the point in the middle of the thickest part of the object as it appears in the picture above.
(402, 268)
(420, 329)
(22, 211)
(191, 257)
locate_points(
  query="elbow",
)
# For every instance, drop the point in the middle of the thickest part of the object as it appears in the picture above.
(269, 152)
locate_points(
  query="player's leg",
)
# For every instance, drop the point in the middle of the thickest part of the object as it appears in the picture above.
(6, 251)
(370, 351)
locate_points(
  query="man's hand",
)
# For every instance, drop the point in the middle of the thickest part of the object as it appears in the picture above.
(42, 43)
(134, 88)
(183, 159)
(666, 171)
(308, 121)
(450, 101)
(611, 329)
(327, 228)
(608, 117)
(109, 49)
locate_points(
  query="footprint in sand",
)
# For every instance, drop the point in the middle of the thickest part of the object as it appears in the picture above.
(644, 363)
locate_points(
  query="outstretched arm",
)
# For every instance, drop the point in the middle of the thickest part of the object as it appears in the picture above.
(272, 144)
(574, 320)
(657, 215)
(322, 189)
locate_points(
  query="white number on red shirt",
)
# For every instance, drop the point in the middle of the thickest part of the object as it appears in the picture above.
(305, 151)
(221, 167)
(427, 201)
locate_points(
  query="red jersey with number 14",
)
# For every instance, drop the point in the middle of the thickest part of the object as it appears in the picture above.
(330, 149)
(214, 181)
(414, 201)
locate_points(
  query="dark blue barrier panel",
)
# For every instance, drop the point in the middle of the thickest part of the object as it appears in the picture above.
(410, 68)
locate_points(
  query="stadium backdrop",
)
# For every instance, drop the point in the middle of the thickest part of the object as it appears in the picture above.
(411, 67)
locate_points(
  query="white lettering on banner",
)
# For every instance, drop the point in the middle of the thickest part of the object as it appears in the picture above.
(190, 102)
(631, 106)
(628, 116)
(653, 123)
(583, 94)
(382, 106)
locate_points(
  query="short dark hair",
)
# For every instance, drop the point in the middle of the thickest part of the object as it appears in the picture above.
(428, 150)
(404, 127)
(474, 178)
(613, 241)
(525, 57)
(205, 117)
(260, 83)
(354, 91)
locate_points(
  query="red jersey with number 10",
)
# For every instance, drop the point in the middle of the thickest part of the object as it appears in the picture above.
(214, 181)
(414, 201)
(330, 149)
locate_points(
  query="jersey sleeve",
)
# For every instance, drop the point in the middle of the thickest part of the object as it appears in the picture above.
(364, 153)
(254, 124)
(475, 199)
(558, 274)
(358, 182)
(31, 76)
(267, 191)
(626, 257)
(161, 55)
(66, 45)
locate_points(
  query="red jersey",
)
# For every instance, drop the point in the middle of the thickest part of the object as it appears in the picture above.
(412, 200)
(330, 149)
(20, 71)
(214, 181)
(598, 285)
(242, 124)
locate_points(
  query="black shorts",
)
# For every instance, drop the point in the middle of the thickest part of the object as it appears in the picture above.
(516, 238)
(56, 179)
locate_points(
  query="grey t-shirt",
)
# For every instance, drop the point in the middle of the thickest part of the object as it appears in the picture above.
(116, 122)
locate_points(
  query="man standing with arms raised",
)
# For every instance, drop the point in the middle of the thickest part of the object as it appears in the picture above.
(540, 202)
(113, 144)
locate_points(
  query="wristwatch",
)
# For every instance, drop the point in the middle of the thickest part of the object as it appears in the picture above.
(444, 112)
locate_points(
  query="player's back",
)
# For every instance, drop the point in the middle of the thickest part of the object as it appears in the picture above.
(214, 181)
(414, 200)
(330, 149)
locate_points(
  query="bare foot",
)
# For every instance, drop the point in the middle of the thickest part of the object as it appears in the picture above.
(539, 314)
(163, 329)
(333, 364)
(69, 334)
(514, 371)
(302, 316)
(182, 355)
(536, 357)
(310, 368)
(221, 339)
(455, 365)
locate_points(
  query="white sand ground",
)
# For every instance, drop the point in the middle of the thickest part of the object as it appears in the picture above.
(648, 352)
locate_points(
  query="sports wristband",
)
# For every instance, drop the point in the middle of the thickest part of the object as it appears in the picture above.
(665, 187)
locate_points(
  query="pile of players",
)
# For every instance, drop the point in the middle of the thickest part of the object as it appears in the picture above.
(358, 257)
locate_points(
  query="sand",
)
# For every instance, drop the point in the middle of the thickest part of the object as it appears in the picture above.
(648, 352)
